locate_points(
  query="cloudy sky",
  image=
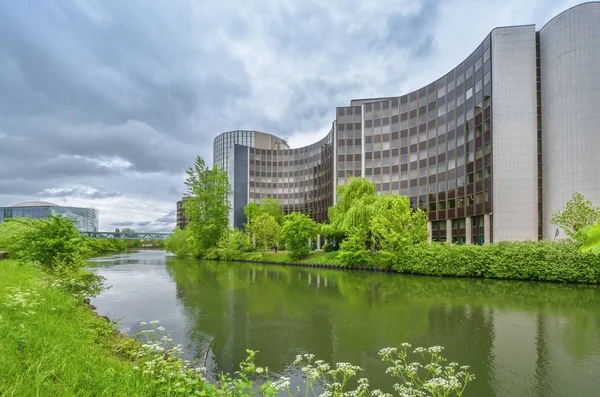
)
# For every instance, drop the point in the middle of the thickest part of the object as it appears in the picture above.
(105, 103)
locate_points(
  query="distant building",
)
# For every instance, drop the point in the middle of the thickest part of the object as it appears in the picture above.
(85, 219)
(182, 220)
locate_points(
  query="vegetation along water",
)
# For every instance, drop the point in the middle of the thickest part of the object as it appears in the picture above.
(519, 338)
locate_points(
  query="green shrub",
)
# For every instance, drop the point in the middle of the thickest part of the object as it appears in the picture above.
(98, 246)
(177, 243)
(544, 261)
(353, 251)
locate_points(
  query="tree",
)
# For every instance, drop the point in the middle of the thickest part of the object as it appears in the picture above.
(353, 210)
(297, 230)
(232, 244)
(267, 206)
(395, 224)
(577, 214)
(251, 210)
(177, 242)
(272, 207)
(208, 206)
(265, 230)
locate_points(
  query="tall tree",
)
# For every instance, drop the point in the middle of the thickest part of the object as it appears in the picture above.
(208, 207)
(352, 212)
(578, 213)
(267, 206)
(265, 231)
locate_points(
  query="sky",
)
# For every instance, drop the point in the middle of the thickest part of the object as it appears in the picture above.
(106, 103)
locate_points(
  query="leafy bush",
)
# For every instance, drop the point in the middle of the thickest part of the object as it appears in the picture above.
(177, 242)
(548, 261)
(98, 246)
(297, 230)
(57, 247)
(353, 251)
(13, 235)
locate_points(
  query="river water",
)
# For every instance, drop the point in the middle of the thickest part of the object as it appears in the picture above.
(520, 338)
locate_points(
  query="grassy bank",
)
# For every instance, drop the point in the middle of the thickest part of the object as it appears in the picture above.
(51, 344)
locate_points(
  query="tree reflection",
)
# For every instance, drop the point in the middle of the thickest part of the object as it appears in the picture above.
(349, 316)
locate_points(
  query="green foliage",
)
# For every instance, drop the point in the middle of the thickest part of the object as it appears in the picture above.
(55, 242)
(353, 208)
(177, 242)
(13, 235)
(396, 225)
(265, 231)
(545, 261)
(353, 250)
(97, 246)
(232, 244)
(268, 206)
(207, 208)
(297, 231)
(590, 235)
(578, 213)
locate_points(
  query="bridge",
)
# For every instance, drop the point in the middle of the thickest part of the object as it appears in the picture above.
(127, 236)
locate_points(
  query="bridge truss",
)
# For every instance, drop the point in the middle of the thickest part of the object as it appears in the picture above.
(127, 236)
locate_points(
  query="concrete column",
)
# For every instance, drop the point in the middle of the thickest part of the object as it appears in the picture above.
(449, 230)
(486, 229)
(429, 231)
(318, 242)
(468, 229)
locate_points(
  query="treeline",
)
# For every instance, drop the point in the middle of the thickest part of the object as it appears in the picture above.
(367, 229)
(362, 226)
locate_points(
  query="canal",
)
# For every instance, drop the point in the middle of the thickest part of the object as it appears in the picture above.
(520, 338)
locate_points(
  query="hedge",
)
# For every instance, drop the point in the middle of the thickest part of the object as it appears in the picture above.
(543, 261)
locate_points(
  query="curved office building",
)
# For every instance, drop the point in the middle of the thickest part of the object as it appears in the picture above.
(490, 150)
(85, 219)
(301, 179)
(224, 142)
(570, 94)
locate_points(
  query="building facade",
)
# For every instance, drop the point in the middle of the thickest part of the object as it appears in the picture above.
(224, 143)
(182, 220)
(490, 150)
(85, 219)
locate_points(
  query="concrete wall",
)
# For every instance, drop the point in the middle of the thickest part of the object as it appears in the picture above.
(514, 113)
(570, 78)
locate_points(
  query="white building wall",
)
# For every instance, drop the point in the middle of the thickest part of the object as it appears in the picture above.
(570, 78)
(514, 115)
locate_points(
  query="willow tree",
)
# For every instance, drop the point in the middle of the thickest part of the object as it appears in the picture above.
(352, 212)
(208, 206)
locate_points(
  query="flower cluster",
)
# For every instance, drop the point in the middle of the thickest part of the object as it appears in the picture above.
(161, 361)
(22, 300)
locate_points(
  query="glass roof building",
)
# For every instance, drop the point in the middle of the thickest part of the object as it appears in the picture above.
(85, 219)
(490, 150)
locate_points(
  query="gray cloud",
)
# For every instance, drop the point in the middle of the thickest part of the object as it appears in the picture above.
(78, 192)
(106, 103)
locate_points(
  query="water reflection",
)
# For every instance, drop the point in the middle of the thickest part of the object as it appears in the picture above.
(526, 339)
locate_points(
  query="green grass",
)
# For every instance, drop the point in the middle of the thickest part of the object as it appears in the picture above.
(61, 349)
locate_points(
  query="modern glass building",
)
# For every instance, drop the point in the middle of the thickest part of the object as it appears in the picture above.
(301, 179)
(489, 150)
(224, 143)
(85, 219)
